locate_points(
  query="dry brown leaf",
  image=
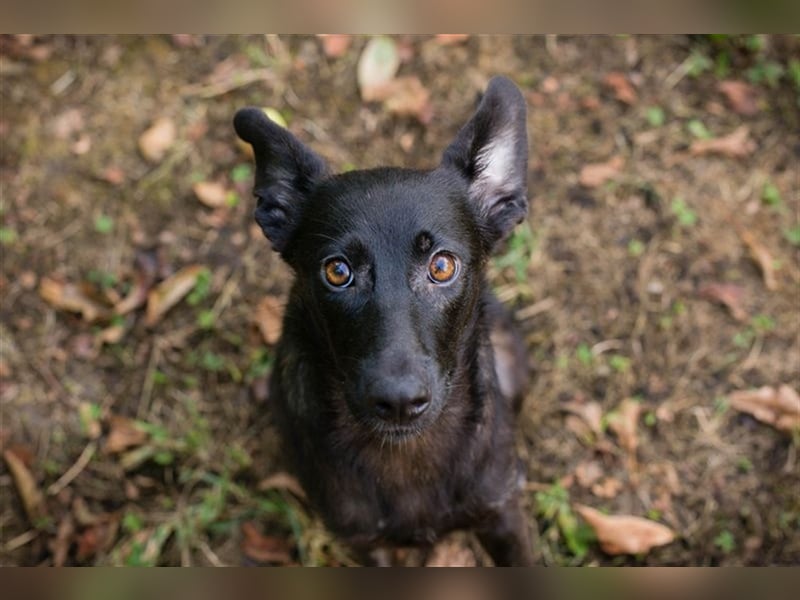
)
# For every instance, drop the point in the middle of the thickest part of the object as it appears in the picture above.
(268, 317)
(169, 292)
(737, 144)
(146, 273)
(779, 407)
(742, 96)
(211, 193)
(124, 434)
(335, 45)
(70, 297)
(729, 295)
(264, 549)
(29, 492)
(590, 412)
(282, 481)
(610, 487)
(157, 140)
(622, 87)
(112, 334)
(623, 534)
(451, 552)
(762, 257)
(407, 97)
(59, 545)
(624, 423)
(588, 472)
(597, 174)
(450, 39)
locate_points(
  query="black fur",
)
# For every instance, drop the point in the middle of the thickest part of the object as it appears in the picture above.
(396, 338)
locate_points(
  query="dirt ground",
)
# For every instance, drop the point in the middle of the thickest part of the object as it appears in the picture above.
(657, 276)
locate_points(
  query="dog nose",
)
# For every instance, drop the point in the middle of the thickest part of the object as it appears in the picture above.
(399, 400)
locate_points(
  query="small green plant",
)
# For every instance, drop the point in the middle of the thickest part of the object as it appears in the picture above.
(521, 246)
(768, 73)
(202, 288)
(744, 464)
(725, 541)
(7, 236)
(103, 224)
(206, 319)
(553, 506)
(771, 195)
(241, 173)
(685, 215)
(102, 279)
(584, 354)
(621, 364)
(792, 235)
(698, 63)
(650, 419)
(636, 248)
(698, 129)
(763, 323)
(655, 116)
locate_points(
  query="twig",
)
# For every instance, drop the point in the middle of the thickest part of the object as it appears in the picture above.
(74, 470)
(149, 379)
(21, 540)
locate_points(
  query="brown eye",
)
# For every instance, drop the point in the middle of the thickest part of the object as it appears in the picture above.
(337, 273)
(443, 267)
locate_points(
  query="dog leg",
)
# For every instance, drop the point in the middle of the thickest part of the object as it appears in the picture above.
(506, 537)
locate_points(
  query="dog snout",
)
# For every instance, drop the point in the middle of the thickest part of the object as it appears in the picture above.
(399, 400)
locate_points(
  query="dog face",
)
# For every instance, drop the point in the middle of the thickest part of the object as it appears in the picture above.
(389, 262)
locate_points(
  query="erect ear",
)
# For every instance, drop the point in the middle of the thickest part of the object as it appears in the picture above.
(286, 172)
(491, 151)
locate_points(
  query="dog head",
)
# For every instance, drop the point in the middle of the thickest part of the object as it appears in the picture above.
(389, 262)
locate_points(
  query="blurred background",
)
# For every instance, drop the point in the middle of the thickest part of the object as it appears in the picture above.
(657, 283)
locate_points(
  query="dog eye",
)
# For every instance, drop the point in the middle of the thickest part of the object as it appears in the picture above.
(443, 267)
(337, 272)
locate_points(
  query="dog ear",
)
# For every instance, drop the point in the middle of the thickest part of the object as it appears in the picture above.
(286, 172)
(491, 151)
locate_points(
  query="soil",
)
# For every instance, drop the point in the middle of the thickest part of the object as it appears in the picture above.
(609, 282)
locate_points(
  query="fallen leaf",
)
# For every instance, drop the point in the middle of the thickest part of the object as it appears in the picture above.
(406, 96)
(169, 292)
(451, 552)
(450, 39)
(622, 87)
(736, 144)
(609, 487)
(146, 263)
(113, 175)
(597, 174)
(90, 423)
(762, 258)
(112, 334)
(335, 45)
(590, 412)
(82, 145)
(377, 66)
(269, 316)
(157, 140)
(67, 123)
(282, 481)
(588, 472)
(729, 295)
(742, 96)
(211, 193)
(59, 545)
(624, 423)
(70, 297)
(623, 534)
(264, 549)
(124, 433)
(99, 537)
(779, 407)
(29, 492)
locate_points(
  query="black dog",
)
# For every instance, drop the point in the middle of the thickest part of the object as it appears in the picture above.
(397, 373)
